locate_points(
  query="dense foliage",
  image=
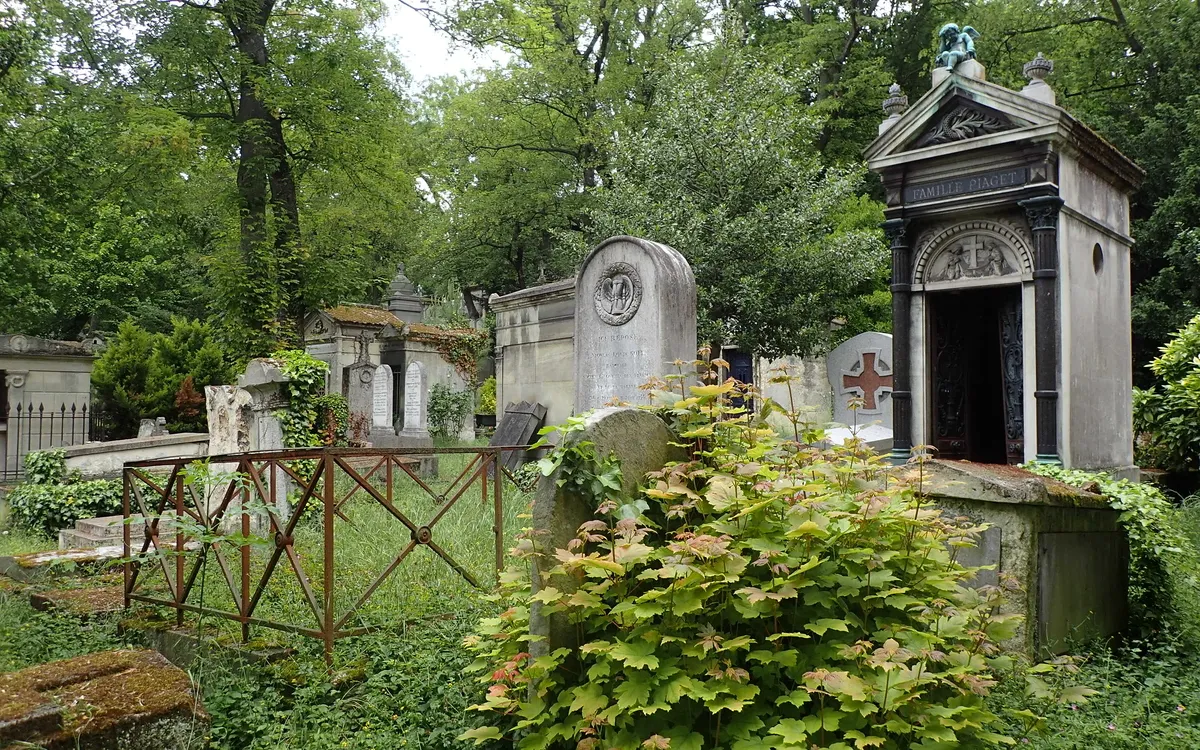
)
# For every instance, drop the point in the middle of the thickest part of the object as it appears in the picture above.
(447, 409)
(310, 417)
(143, 375)
(1166, 416)
(487, 397)
(762, 594)
(51, 498)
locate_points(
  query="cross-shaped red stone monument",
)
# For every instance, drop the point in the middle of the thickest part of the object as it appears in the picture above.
(868, 380)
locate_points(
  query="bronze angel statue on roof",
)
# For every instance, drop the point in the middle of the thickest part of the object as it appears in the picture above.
(956, 45)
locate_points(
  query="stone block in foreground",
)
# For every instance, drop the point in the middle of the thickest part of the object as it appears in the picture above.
(115, 700)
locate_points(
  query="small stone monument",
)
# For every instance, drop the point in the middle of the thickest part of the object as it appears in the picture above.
(635, 314)
(264, 382)
(360, 391)
(416, 401)
(861, 369)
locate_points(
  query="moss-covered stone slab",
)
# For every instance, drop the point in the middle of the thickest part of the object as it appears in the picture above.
(83, 602)
(35, 566)
(115, 700)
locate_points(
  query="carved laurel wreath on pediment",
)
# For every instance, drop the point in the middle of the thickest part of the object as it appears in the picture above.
(961, 123)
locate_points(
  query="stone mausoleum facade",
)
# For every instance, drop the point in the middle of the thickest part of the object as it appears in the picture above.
(1009, 228)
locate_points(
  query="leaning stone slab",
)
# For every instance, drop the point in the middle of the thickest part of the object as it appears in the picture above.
(35, 566)
(642, 443)
(113, 700)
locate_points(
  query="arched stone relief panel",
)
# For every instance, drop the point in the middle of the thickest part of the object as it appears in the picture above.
(972, 250)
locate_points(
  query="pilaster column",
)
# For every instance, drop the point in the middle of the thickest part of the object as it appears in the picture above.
(895, 231)
(1042, 213)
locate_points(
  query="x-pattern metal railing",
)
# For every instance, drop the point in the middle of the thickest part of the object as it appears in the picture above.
(255, 482)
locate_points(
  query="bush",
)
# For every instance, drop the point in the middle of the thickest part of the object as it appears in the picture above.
(1166, 417)
(487, 397)
(50, 499)
(144, 376)
(447, 410)
(764, 594)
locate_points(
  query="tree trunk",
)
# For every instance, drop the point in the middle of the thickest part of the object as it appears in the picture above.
(272, 297)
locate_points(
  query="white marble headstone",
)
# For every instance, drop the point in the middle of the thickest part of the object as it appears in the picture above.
(635, 314)
(414, 399)
(381, 405)
(862, 368)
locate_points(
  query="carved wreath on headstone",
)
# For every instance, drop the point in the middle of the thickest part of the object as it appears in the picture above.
(618, 294)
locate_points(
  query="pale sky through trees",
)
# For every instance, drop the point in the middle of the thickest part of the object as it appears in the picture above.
(427, 52)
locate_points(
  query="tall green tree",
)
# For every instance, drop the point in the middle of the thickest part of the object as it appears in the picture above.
(731, 175)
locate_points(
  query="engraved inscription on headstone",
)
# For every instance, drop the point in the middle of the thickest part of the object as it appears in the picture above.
(381, 411)
(635, 314)
(414, 401)
(966, 184)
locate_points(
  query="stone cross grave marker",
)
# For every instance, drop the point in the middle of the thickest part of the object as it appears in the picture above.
(861, 367)
(635, 314)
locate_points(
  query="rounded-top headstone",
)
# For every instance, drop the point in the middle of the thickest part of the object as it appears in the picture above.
(635, 314)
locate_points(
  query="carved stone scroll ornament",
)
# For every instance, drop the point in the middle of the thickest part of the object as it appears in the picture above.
(618, 294)
(961, 123)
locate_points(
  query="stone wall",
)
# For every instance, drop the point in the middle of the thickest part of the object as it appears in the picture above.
(104, 460)
(535, 348)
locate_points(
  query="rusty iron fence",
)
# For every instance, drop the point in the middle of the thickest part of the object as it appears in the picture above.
(181, 522)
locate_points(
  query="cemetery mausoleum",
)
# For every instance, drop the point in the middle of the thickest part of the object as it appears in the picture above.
(1009, 228)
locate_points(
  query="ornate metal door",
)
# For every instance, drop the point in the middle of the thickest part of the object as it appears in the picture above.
(950, 386)
(1012, 356)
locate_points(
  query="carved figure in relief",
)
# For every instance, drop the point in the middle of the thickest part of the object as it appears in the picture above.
(971, 258)
(956, 45)
(618, 294)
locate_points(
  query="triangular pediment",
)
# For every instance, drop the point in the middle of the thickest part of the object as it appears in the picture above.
(959, 110)
(960, 119)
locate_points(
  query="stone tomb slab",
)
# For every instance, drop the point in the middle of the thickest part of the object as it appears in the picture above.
(1063, 545)
(113, 700)
(520, 423)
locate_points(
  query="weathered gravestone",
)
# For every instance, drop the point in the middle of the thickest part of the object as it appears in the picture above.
(635, 314)
(519, 425)
(416, 402)
(642, 443)
(360, 400)
(860, 371)
(381, 403)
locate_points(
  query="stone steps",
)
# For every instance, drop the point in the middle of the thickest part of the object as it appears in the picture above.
(103, 531)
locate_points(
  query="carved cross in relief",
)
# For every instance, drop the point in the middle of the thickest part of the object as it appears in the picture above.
(868, 380)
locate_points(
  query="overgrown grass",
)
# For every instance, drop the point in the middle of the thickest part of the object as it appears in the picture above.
(366, 543)
(29, 637)
(15, 540)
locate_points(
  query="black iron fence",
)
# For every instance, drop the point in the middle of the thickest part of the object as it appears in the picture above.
(28, 427)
